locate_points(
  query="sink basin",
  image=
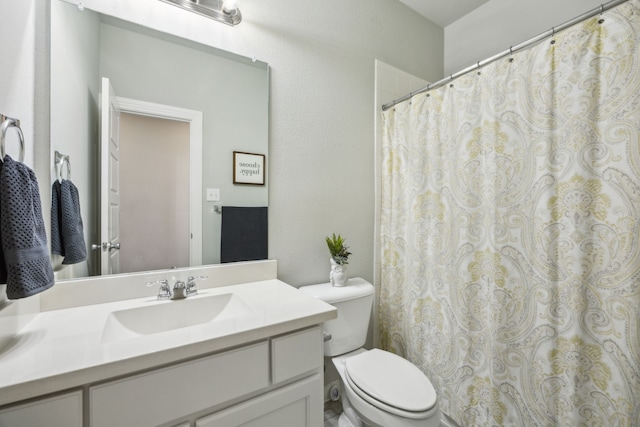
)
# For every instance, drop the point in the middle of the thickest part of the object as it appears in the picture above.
(163, 316)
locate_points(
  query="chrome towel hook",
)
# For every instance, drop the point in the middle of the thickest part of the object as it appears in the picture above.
(8, 122)
(60, 160)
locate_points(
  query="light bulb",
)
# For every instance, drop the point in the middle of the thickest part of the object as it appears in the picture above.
(230, 6)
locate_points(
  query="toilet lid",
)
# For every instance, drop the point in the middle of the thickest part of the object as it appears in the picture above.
(392, 380)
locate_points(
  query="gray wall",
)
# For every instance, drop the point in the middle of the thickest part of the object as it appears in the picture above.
(499, 24)
(75, 71)
(322, 140)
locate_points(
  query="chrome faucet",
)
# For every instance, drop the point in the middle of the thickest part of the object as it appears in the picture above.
(164, 291)
(181, 289)
(191, 285)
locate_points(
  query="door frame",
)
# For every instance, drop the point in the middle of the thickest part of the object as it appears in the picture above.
(195, 120)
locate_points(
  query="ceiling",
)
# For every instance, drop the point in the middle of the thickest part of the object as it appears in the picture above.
(443, 12)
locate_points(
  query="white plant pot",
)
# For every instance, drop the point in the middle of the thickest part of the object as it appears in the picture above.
(338, 275)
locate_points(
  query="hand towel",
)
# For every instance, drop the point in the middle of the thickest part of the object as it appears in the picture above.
(244, 234)
(22, 232)
(67, 233)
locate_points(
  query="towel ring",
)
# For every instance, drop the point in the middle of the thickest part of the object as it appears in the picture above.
(8, 122)
(61, 160)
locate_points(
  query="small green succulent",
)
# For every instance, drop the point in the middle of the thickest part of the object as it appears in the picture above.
(338, 250)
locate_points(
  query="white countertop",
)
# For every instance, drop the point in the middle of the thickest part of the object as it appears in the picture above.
(62, 349)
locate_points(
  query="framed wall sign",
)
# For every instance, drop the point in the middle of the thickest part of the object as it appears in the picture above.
(248, 168)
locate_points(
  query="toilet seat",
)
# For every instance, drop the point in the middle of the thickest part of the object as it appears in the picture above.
(391, 383)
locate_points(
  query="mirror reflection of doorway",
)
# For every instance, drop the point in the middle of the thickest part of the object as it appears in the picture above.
(155, 202)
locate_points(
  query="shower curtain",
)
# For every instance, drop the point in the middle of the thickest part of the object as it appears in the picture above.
(510, 232)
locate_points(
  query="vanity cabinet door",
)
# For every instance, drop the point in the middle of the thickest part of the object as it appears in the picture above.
(298, 404)
(296, 354)
(64, 410)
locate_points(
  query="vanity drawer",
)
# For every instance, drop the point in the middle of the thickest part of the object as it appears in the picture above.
(167, 394)
(296, 354)
(63, 410)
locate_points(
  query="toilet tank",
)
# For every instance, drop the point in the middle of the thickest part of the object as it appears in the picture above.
(353, 302)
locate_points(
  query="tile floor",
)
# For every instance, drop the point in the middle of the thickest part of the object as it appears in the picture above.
(332, 411)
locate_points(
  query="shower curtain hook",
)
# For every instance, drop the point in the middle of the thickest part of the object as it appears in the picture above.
(601, 20)
(553, 34)
(511, 53)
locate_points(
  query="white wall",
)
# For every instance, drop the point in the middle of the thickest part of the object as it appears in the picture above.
(321, 146)
(17, 96)
(499, 24)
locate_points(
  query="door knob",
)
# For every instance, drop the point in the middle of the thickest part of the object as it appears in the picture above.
(106, 246)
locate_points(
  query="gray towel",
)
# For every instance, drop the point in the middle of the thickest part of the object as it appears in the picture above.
(244, 234)
(67, 234)
(27, 266)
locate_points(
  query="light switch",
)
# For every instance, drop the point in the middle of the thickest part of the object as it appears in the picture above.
(213, 194)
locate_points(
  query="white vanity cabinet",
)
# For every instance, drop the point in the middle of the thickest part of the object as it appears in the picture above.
(276, 382)
(260, 366)
(62, 410)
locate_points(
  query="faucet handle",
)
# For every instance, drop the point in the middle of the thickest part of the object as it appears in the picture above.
(191, 284)
(164, 292)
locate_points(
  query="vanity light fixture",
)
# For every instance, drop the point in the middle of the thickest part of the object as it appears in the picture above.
(225, 11)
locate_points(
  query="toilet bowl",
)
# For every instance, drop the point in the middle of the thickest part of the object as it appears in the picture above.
(383, 389)
(379, 387)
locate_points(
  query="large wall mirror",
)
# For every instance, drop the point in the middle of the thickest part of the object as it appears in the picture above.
(183, 109)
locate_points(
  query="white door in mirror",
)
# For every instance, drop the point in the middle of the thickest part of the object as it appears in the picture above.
(109, 186)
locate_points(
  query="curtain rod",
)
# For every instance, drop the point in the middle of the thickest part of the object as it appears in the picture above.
(549, 33)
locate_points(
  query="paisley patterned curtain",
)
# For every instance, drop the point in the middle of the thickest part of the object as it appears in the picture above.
(511, 233)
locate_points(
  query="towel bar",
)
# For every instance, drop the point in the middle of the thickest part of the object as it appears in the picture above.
(8, 122)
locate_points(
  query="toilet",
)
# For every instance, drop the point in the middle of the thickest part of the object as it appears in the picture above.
(379, 388)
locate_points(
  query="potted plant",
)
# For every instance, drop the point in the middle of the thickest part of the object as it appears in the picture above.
(339, 259)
